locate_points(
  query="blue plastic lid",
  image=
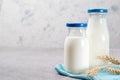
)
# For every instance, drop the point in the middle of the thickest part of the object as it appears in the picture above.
(102, 10)
(76, 24)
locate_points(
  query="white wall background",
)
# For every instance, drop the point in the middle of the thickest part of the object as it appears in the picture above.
(41, 23)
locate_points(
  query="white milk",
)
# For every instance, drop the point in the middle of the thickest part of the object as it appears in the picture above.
(98, 35)
(76, 54)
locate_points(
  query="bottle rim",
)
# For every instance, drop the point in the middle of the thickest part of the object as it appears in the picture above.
(100, 10)
(79, 25)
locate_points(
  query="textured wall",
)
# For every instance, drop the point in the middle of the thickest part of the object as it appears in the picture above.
(41, 23)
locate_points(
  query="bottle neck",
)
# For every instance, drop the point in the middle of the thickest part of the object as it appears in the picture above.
(77, 32)
(97, 18)
(98, 15)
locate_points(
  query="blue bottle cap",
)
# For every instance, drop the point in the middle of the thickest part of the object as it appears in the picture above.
(101, 10)
(76, 24)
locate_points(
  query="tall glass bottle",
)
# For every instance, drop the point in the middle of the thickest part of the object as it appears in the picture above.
(98, 35)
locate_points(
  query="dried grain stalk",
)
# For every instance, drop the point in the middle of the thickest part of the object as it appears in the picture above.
(114, 70)
(109, 59)
(92, 71)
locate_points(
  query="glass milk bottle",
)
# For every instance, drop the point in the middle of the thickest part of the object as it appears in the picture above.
(98, 35)
(76, 51)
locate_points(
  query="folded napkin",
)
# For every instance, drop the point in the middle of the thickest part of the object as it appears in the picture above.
(103, 74)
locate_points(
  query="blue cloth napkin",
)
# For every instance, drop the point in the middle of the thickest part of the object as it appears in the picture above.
(103, 74)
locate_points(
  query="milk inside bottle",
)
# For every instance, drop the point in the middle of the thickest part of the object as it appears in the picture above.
(76, 49)
(98, 35)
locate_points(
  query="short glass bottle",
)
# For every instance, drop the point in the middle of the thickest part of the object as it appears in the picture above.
(76, 49)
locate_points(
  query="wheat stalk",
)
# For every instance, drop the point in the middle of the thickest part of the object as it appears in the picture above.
(110, 59)
(114, 70)
(92, 71)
